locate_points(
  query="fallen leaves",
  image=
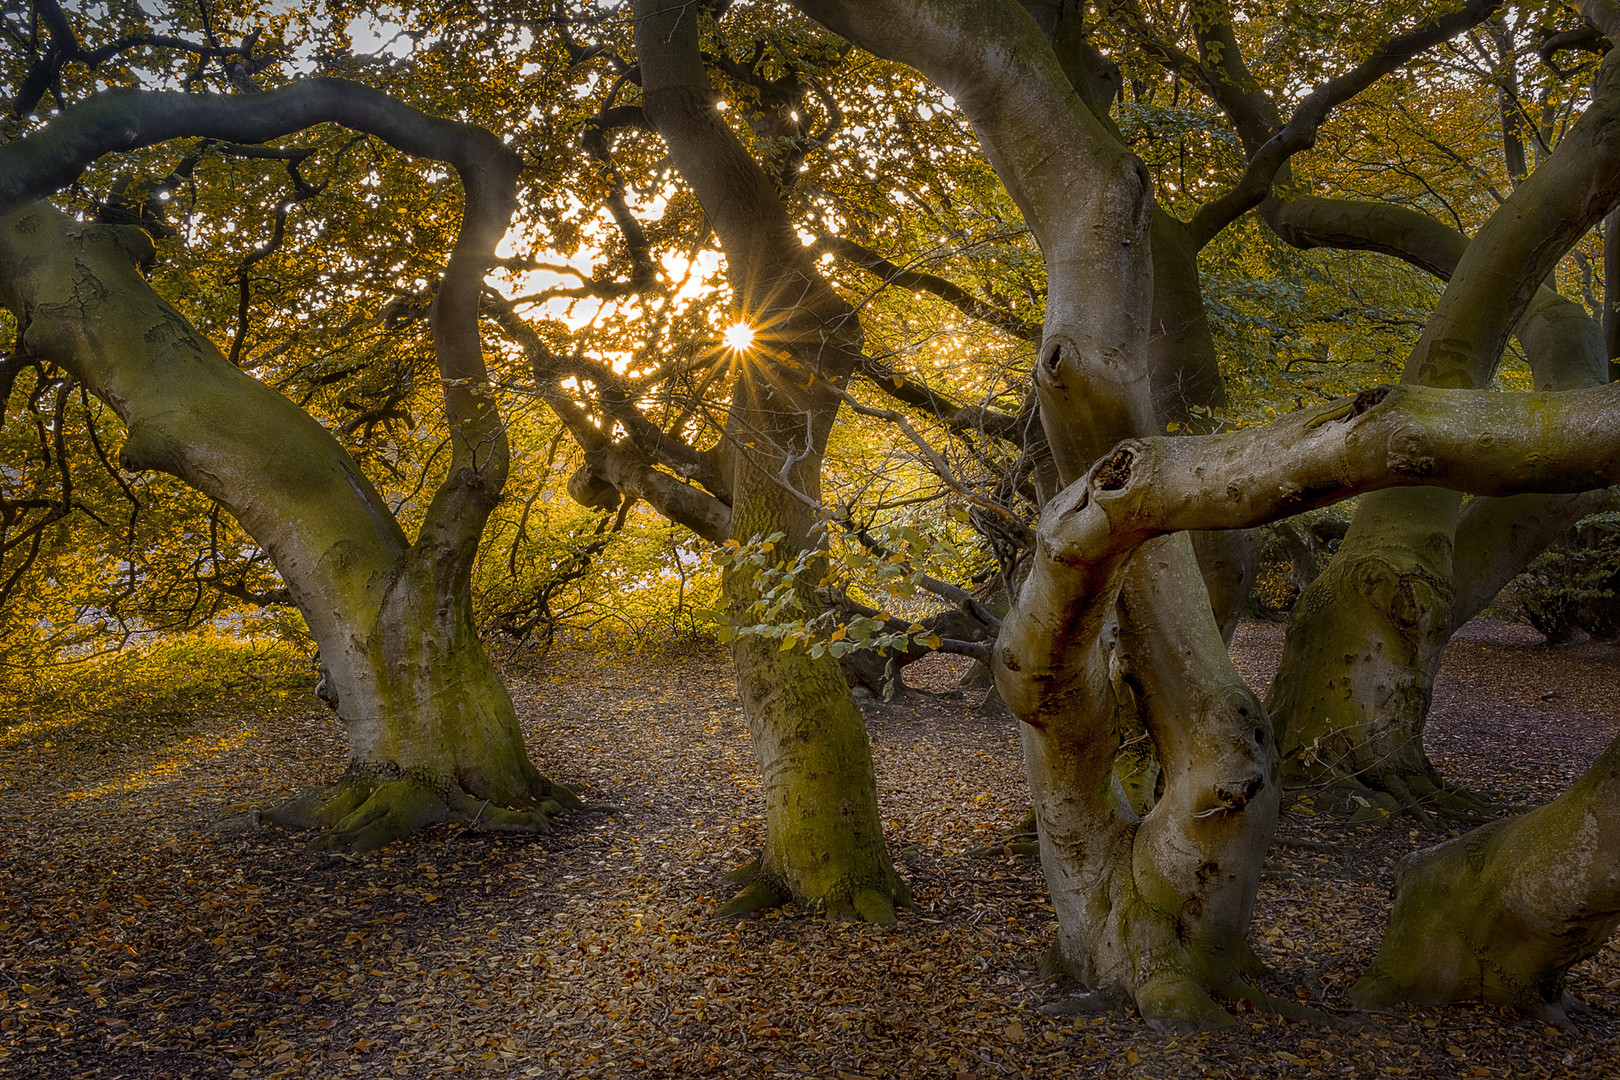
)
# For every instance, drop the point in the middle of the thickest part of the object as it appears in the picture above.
(136, 942)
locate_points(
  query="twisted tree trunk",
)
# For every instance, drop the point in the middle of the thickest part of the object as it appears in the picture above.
(432, 732)
(430, 727)
(824, 844)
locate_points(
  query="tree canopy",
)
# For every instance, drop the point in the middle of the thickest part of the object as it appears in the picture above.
(843, 333)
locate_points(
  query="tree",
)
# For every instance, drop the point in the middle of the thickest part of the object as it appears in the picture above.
(431, 729)
(1112, 629)
(1155, 908)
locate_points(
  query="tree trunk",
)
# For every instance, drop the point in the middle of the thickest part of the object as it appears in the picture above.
(1154, 910)
(824, 843)
(1366, 640)
(1364, 644)
(1502, 913)
(431, 730)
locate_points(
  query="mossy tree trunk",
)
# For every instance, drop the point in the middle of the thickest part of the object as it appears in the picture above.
(1364, 647)
(432, 732)
(1367, 638)
(824, 845)
(1354, 687)
(1502, 913)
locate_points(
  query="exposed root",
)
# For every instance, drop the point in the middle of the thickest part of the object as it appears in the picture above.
(1288, 1009)
(1012, 844)
(1414, 795)
(369, 809)
(764, 891)
(1021, 841)
(1177, 1002)
(866, 905)
(745, 873)
(1092, 1001)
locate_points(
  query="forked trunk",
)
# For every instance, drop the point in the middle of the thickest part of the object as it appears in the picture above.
(432, 732)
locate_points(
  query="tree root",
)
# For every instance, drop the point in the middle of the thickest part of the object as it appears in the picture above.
(1012, 844)
(1423, 798)
(1021, 841)
(367, 810)
(764, 890)
(763, 893)
(1238, 990)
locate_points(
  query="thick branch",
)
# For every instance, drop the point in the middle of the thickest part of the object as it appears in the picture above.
(1479, 442)
(627, 469)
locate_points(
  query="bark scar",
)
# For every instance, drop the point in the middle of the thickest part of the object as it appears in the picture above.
(1348, 410)
(1115, 470)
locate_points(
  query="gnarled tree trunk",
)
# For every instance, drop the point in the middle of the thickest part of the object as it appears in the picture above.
(430, 727)
(1502, 913)
(1153, 910)
(824, 842)
(432, 731)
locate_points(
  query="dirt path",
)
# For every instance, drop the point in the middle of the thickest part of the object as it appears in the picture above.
(136, 940)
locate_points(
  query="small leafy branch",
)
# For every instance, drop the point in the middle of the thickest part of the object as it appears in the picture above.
(796, 599)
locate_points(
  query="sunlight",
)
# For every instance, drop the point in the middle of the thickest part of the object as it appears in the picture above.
(739, 336)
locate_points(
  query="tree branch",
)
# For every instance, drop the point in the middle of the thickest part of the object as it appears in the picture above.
(972, 306)
(1474, 441)
(1301, 130)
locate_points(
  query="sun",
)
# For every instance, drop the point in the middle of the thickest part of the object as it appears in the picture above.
(739, 336)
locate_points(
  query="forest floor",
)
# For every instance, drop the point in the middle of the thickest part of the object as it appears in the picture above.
(146, 932)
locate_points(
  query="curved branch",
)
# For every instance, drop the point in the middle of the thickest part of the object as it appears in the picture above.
(129, 119)
(1301, 130)
(1474, 441)
(627, 469)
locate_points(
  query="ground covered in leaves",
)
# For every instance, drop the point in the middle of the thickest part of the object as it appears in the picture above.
(147, 931)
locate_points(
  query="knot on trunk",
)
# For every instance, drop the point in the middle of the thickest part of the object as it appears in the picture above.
(1410, 452)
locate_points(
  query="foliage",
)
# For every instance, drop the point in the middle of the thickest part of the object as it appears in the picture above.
(1575, 584)
(173, 675)
(888, 566)
(558, 570)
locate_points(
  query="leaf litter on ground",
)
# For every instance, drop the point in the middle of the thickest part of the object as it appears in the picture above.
(145, 931)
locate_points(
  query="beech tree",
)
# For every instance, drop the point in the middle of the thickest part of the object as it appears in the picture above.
(1119, 545)
(1154, 907)
(431, 729)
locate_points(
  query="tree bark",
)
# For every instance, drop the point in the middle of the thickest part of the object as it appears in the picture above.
(1346, 637)
(431, 729)
(824, 844)
(1502, 913)
(1364, 647)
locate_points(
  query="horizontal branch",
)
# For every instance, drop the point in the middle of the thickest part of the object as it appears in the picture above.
(1478, 442)
(47, 160)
